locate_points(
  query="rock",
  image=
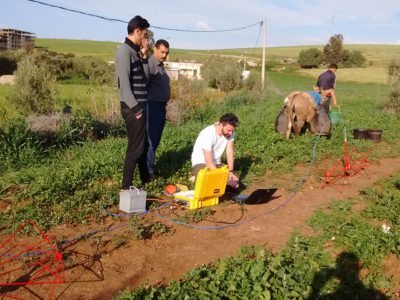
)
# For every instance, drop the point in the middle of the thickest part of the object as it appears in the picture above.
(7, 79)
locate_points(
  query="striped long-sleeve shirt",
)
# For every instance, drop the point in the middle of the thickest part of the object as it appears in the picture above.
(131, 76)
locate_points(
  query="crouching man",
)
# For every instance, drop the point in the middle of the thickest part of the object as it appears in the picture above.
(211, 143)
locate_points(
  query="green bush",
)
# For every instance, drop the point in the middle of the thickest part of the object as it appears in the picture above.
(394, 85)
(93, 69)
(353, 59)
(310, 58)
(253, 82)
(222, 74)
(35, 88)
(58, 64)
(18, 146)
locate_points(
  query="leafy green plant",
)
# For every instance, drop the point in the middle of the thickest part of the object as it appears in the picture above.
(385, 200)
(222, 73)
(35, 88)
(310, 58)
(137, 228)
(347, 266)
(159, 228)
(195, 216)
(119, 240)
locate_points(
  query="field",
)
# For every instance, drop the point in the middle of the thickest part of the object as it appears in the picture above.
(378, 56)
(306, 243)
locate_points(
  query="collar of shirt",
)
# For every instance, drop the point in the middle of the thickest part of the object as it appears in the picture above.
(132, 45)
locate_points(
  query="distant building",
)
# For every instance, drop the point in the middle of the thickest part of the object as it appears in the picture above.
(245, 74)
(12, 39)
(190, 70)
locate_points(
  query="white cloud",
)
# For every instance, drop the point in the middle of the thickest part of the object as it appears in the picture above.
(201, 25)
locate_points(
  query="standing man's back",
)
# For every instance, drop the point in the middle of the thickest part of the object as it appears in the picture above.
(327, 81)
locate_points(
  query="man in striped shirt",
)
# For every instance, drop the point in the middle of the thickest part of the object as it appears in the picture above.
(130, 65)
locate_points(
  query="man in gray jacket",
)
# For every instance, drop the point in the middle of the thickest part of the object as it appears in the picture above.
(159, 92)
(130, 64)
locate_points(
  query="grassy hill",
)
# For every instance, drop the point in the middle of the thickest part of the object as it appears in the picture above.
(378, 56)
(104, 50)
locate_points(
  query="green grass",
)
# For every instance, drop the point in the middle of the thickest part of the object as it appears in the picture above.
(258, 149)
(343, 259)
(7, 109)
(103, 50)
(100, 100)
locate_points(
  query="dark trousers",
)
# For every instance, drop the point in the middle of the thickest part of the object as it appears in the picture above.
(137, 147)
(156, 122)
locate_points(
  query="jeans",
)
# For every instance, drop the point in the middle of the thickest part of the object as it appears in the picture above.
(156, 122)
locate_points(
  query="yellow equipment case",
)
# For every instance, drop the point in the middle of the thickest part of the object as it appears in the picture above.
(210, 185)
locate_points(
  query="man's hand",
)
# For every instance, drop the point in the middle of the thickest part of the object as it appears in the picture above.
(139, 115)
(144, 48)
(232, 176)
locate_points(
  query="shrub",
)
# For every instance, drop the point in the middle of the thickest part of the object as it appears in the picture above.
(222, 74)
(353, 58)
(94, 69)
(58, 64)
(253, 82)
(35, 88)
(18, 145)
(310, 58)
(394, 85)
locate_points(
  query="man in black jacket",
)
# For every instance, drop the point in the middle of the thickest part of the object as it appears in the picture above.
(159, 92)
(130, 65)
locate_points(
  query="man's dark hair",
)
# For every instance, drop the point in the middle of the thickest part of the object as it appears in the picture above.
(162, 42)
(137, 23)
(333, 66)
(229, 118)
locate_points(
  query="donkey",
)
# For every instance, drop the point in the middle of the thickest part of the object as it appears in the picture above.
(300, 108)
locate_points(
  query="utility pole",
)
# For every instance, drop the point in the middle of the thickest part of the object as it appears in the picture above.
(263, 58)
(244, 61)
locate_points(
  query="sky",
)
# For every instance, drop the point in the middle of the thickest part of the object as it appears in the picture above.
(288, 22)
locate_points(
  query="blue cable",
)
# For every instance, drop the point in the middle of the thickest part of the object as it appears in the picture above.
(298, 186)
(93, 232)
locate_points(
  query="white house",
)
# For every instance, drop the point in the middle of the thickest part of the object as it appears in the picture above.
(189, 70)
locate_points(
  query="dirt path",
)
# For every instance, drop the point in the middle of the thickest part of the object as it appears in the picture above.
(168, 257)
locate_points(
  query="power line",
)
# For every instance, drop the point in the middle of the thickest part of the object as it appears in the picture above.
(157, 27)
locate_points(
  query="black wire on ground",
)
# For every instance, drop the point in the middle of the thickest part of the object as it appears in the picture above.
(298, 186)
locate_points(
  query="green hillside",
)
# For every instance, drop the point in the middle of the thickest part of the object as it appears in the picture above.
(104, 50)
(378, 56)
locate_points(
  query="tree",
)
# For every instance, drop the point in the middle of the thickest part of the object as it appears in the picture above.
(310, 58)
(223, 74)
(333, 51)
(35, 87)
